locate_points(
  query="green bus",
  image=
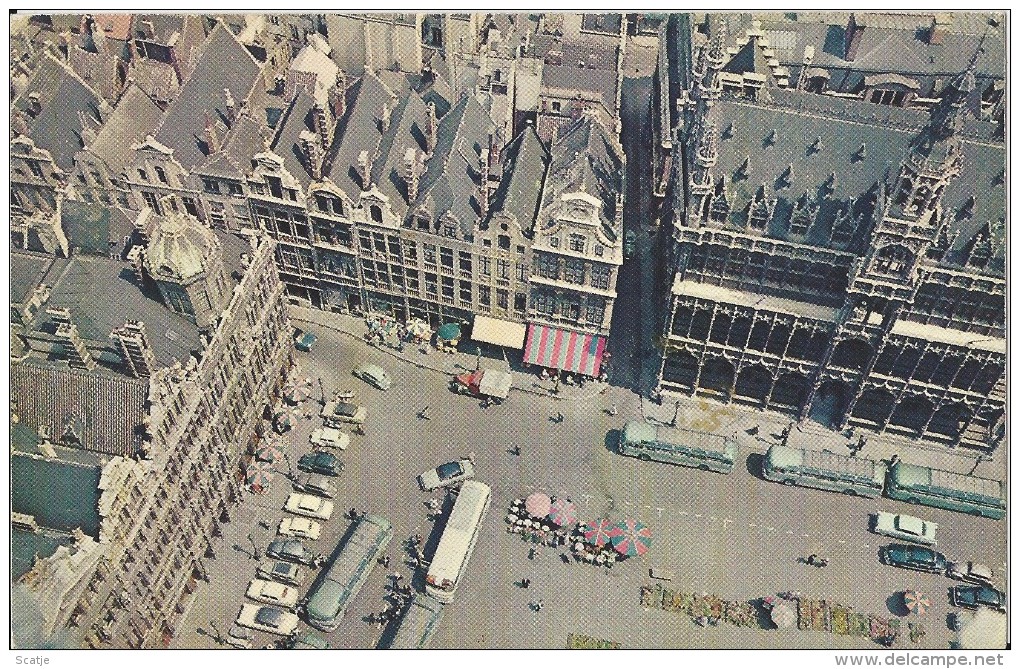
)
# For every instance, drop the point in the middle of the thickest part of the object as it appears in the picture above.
(946, 490)
(419, 623)
(678, 446)
(824, 470)
(347, 571)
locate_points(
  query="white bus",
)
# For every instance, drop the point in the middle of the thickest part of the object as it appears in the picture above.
(458, 541)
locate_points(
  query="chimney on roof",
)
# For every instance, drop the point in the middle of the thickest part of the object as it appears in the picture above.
(135, 349)
(148, 29)
(74, 349)
(313, 155)
(940, 24)
(338, 95)
(852, 38)
(231, 107)
(34, 103)
(413, 167)
(363, 169)
(88, 133)
(430, 129)
(209, 135)
(323, 127)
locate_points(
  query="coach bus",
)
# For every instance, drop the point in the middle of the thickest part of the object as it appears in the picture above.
(678, 446)
(346, 572)
(458, 541)
(824, 470)
(947, 490)
(418, 624)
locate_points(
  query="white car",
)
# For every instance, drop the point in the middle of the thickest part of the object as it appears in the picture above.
(907, 528)
(447, 474)
(331, 437)
(302, 528)
(267, 619)
(309, 505)
(272, 592)
(971, 572)
(336, 413)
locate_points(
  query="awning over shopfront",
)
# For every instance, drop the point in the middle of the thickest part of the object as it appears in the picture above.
(561, 349)
(499, 332)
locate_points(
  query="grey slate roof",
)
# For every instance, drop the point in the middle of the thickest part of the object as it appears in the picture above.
(26, 272)
(92, 227)
(61, 495)
(63, 95)
(109, 408)
(525, 161)
(584, 160)
(101, 294)
(240, 144)
(450, 183)
(297, 119)
(26, 546)
(406, 131)
(840, 137)
(750, 59)
(163, 25)
(222, 63)
(359, 132)
(678, 37)
(573, 78)
(134, 117)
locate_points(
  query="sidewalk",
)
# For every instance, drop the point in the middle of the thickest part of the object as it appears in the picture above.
(706, 415)
(443, 363)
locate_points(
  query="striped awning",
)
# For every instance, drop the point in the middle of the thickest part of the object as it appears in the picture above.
(565, 350)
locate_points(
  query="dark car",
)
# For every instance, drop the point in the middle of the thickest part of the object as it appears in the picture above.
(973, 596)
(303, 341)
(321, 462)
(918, 558)
(290, 550)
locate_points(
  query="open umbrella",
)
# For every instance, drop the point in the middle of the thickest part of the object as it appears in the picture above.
(267, 452)
(258, 477)
(538, 504)
(418, 328)
(597, 532)
(298, 391)
(916, 601)
(784, 615)
(449, 332)
(563, 512)
(283, 421)
(631, 537)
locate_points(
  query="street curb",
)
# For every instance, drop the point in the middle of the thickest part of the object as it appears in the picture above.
(419, 365)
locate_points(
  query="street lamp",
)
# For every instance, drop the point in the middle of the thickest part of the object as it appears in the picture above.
(290, 469)
(322, 392)
(254, 547)
(219, 637)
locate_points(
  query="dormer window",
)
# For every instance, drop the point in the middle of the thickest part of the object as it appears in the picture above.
(161, 175)
(450, 230)
(142, 175)
(375, 211)
(577, 243)
(554, 242)
(211, 186)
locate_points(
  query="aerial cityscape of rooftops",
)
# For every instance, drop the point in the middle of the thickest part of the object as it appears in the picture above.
(508, 330)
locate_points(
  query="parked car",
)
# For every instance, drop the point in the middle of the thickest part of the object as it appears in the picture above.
(321, 462)
(315, 484)
(374, 375)
(902, 526)
(309, 641)
(336, 413)
(973, 596)
(271, 592)
(309, 505)
(447, 474)
(267, 619)
(918, 558)
(330, 437)
(284, 572)
(971, 572)
(302, 528)
(291, 550)
(628, 244)
(303, 341)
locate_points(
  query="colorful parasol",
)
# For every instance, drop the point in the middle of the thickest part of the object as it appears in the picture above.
(563, 512)
(268, 452)
(258, 477)
(418, 328)
(537, 504)
(916, 602)
(449, 332)
(597, 532)
(296, 392)
(784, 615)
(283, 421)
(631, 537)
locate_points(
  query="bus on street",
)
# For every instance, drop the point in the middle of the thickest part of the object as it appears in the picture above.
(458, 541)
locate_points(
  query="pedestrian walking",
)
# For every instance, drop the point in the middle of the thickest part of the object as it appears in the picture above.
(386, 562)
(516, 450)
(525, 582)
(396, 577)
(539, 604)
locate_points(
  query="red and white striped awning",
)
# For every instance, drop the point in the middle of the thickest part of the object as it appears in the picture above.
(561, 349)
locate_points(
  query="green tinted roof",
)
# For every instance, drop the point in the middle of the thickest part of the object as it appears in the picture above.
(60, 495)
(638, 431)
